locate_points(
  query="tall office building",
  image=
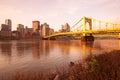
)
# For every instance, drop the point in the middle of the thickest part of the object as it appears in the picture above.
(20, 27)
(5, 30)
(66, 28)
(45, 29)
(28, 30)
(9, 23)
(36, 26)
(21, 30)
(4, 27)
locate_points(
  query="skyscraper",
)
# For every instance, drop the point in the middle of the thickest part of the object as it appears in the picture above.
(45, 29)
(36, 26)
(21, 30)
(9, 23)
(66, 28)
(4, 27)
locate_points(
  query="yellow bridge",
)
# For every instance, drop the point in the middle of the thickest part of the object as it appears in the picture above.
(91, 26)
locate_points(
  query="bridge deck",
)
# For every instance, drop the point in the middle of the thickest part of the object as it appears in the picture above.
(117, 30)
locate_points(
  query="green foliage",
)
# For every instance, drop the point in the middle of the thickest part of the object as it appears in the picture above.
(94, 65)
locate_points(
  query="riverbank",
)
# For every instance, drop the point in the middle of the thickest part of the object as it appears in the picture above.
(105, 66)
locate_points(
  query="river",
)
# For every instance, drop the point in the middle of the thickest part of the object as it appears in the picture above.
(46, 56)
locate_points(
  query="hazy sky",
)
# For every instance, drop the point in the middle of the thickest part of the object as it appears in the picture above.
(57, 12)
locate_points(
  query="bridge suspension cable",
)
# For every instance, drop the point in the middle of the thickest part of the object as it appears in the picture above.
(90, 26)
(75, 27)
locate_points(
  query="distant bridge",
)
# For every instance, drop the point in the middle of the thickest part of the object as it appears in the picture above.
(86, 26)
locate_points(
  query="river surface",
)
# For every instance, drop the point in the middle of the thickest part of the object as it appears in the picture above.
(46, 56)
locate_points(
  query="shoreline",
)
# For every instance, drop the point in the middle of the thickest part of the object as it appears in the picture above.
(97, 67)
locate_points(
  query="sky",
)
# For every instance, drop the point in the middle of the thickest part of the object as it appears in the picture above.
(57, 12)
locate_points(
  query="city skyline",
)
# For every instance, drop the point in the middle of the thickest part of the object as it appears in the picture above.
(57, 12)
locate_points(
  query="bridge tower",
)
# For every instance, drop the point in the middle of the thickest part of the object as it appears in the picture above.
(87, 37)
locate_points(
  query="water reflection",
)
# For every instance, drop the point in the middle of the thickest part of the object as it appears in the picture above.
(45, 55)
(6, 50)
(45, 47)
(87, 48)
(36, 50)
(65, 47)
(41, 48)
(20, 49)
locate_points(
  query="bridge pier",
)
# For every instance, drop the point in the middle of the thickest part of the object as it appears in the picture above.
(87, 38)
(52, 38)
